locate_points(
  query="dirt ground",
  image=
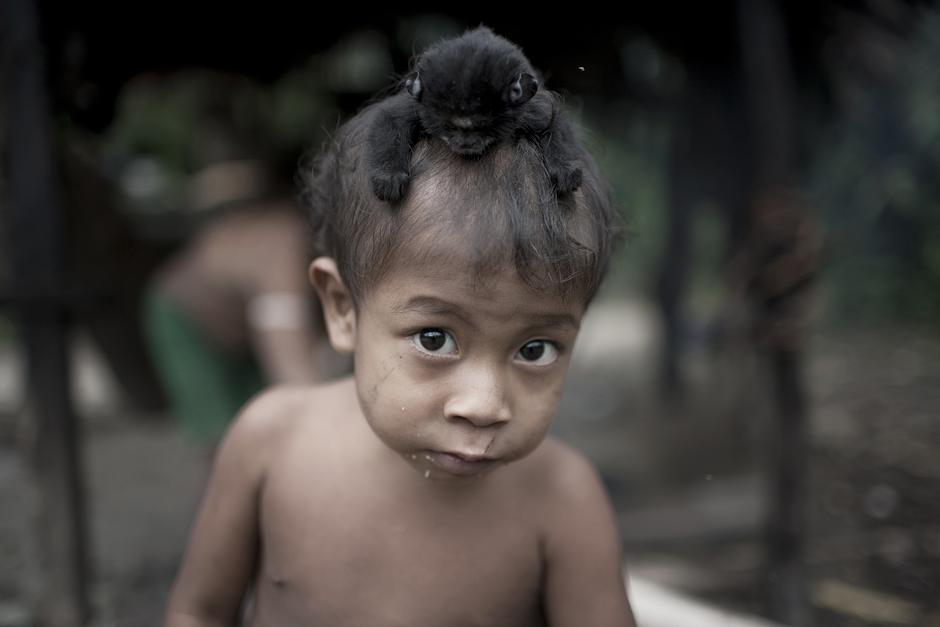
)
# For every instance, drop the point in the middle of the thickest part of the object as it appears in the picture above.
(686, 476)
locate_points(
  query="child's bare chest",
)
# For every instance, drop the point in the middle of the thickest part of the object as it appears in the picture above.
(350, 555)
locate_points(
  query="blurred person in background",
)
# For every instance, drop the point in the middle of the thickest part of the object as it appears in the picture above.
(232, 311)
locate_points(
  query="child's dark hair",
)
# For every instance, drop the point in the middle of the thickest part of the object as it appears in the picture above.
(503, 205)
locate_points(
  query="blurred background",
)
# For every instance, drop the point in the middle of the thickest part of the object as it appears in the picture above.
(758, 382)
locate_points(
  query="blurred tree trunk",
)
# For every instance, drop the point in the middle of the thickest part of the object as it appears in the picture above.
(37, 262)
(707, 170)
(778, 260)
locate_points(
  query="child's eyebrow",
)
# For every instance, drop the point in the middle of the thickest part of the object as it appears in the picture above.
(555, 321)
(429, 305)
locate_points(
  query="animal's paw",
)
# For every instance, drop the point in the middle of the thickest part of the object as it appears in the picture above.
(390, 187)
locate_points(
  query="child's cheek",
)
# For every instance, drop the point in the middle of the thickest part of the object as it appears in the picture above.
(377, 380)
(417, 369)
(397, 385)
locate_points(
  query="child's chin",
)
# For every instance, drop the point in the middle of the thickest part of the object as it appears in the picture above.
(436, 466)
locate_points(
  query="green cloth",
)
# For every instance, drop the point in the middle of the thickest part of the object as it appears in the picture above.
(206, 385)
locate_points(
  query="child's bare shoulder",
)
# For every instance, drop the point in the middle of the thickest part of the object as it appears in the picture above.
(275, 417)
(569, 498)
(559, 475)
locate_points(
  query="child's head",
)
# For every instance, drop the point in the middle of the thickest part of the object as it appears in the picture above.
(462, 303)
(499, 211)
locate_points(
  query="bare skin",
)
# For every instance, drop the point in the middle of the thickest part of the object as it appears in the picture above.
(240, 256)
(421, 492)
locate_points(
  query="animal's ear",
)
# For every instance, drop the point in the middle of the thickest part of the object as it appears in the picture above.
(413, 85)
(522, 89)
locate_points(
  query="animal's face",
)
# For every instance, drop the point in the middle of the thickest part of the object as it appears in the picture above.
(471, 90)
(468, 133)
(474, 112)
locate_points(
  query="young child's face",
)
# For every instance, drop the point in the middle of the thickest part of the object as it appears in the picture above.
(456, 376)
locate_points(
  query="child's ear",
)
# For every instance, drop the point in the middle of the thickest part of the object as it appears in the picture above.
(338, 309)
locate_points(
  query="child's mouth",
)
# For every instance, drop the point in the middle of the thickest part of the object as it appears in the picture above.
(461, 465)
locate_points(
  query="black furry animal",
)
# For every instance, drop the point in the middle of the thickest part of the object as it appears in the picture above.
(472, 92)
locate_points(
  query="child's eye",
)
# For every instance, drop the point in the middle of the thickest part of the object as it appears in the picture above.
(435, 341)
(538, 352)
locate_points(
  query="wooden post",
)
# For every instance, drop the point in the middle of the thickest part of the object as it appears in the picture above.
(780, 260)
(786, 525)
(36, 234)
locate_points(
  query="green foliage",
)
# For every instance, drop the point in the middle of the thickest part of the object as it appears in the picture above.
(876, 182)
(630, 146)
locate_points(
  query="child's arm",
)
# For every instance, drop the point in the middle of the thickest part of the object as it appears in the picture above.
(584, 581)
(220, 559)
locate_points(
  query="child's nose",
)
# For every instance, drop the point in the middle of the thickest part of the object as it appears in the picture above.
(479, 397)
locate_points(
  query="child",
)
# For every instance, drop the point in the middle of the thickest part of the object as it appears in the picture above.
(423, 491)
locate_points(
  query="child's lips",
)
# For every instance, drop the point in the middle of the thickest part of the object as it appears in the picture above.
(460, 464)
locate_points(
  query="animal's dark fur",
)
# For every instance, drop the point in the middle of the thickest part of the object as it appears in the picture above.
(472, 92)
